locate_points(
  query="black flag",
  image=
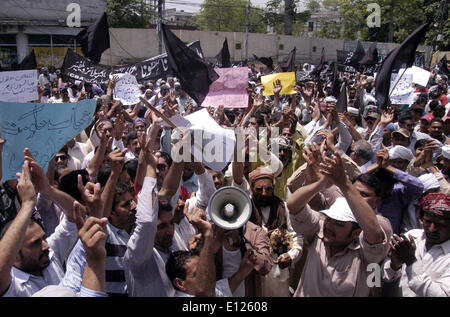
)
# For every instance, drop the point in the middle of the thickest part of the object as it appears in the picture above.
(335, 92)
(318, 69)
(268, 61)
(224, 57)
(442, 66)
(357, 56)
(194, 73)
(371, 57)
(341, 104)
(401, 57)
(29, 62)
(288, 65)
(94, 39)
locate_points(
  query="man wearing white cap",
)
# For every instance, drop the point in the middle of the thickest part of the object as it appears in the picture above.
(342, 245)
(400, 156)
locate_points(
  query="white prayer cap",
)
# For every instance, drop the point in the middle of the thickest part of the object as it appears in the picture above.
(330, 99)
(369, 98)
(55, 291)
(77, 82)
(446, 151)
(429, 181)
(353, 111)
(340, 211)
(400, 151)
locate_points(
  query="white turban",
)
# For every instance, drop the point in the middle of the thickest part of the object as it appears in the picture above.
(330, 99)
(400, 151)
(429, 181)
(446, 151)
(353, 111)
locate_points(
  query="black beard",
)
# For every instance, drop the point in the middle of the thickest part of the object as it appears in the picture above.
(263, 202)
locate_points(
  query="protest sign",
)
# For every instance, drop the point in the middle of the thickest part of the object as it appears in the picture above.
(403, 90)
(19, 86)
(127, 89)
(213, 145)
(229, 90)
(77, 67)
(287, 81)
(420, 76)
(43, 128)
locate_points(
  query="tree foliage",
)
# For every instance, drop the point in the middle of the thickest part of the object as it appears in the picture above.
(229, 16)
(129, 13)
(407, 16)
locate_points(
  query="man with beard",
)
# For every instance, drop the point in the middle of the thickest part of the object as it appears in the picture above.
(133, 146)
(421, 257)
(270, 213)
(28, 260)
(436, 131)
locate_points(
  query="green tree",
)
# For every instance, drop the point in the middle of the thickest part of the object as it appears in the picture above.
(129, 13)
(407, 16)
(229, 16)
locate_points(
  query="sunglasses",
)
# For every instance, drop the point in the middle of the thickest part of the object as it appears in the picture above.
(61, 158)
(161, 166)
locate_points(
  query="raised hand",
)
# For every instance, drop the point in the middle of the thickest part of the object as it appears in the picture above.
(25, 186)
(92, 197)
(116, 159)
(333, 168)
(387, 116)
(92, 233)
(277, 87)
(403, 250)
(38, 176)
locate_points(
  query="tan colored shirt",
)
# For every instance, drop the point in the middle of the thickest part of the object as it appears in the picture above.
(345, 273)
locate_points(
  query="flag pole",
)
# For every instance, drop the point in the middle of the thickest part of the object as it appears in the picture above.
(158, 113)
(397, 82)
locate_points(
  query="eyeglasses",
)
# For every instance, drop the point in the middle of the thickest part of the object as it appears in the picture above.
(61, 158)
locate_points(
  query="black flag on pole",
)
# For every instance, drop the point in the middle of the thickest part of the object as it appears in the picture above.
(341, 104)
(335, 92)
(371, 57)
(318, 69)
(29, 62)
(94, 39)
(224, 58)
(357, 56)
(268, 61)
(401, 57)
(194, 73)
(288, 65)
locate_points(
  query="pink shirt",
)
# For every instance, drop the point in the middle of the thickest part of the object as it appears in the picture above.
(343, 274)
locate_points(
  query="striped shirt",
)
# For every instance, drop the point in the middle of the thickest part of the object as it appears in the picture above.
(116, 245)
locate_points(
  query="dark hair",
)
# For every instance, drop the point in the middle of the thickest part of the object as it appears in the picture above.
(404, 116)
(433, 104)
(437, 120)
(131, 167)
(176, 265)
(439, 111)
(166, 157)
(69, 183)
(372, 181)
(259, 119)
(420, 143)
(103, 174)
(131, 136)
(121, 189)
(64, 149)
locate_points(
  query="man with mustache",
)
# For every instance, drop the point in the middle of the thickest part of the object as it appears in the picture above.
(344, 239)
(421, 257)
(29, 260)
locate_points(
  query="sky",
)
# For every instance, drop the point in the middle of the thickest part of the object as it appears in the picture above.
(194, 5)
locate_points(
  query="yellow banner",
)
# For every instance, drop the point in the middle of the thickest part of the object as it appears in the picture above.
(44, 55)
(287, 82)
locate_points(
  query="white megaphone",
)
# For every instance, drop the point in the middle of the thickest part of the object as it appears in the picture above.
(230, 208)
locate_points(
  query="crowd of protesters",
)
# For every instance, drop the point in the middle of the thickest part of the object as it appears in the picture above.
(116, 215)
